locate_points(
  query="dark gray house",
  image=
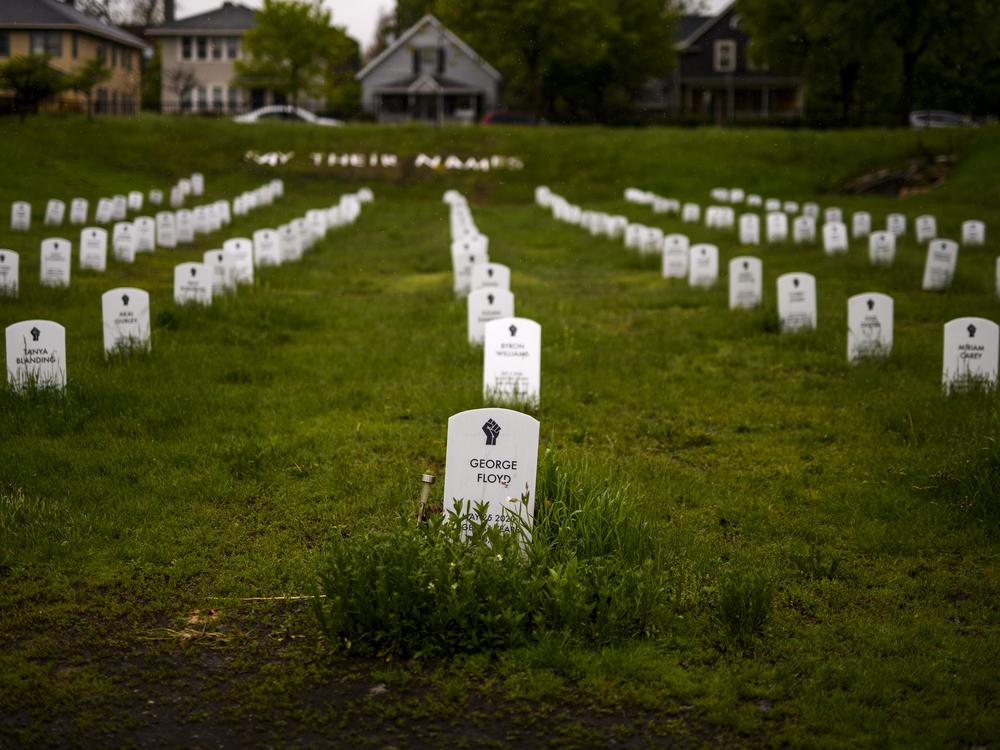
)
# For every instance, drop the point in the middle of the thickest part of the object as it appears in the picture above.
(715, 78)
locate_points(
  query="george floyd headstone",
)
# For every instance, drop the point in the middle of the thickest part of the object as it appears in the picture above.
(145, 234)
(484, 305)
(105, 213)
(166, 229)
(869, 326)
(240, 252)
(881, 248)
(36, 355)
(926, 227)
(746, 278)
(184, 225)
(123, 241)
(797, 301)
(512, 358)
(55, 212)
(861, 224)
(192, 284)
(492, 458)
(94, 248)
(57, 258)
(777, 227)
(973, 233)
(156, 197)
(939, 269)
(690, 213)
(126, 319)
(896, 223)
(970, 352)
(9, 272)
(749, 229)
(20, 216)
(78, 211)
(135, 200)
(267, 248)
(804, 230)
(676, 251)
(835, 238)
(703, 265)
(490, 276)
(119, 207)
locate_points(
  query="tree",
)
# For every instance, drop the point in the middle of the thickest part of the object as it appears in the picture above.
(181, 81)
(152, 80)
(125, 12)
(291, 49)
(86, 78)
(32, 80)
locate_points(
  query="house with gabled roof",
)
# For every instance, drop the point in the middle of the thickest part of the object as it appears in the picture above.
(429, 74)
(717, 79)
(70, 38)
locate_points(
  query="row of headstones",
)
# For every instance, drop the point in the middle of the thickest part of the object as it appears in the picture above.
(679, 255)
(724, 217)
(36, 349)
(869, 315)
(115, 208)
(145, 234)
(511, 345)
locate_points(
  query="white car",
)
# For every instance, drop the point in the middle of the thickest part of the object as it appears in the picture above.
(285, 112)
(936, 118)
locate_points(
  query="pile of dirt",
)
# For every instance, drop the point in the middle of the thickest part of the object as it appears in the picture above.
(917, 175)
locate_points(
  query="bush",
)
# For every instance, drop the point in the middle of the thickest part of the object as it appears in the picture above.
(592, 572)
(745, 605)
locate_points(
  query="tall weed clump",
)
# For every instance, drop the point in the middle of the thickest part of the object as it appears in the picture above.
(591, 571)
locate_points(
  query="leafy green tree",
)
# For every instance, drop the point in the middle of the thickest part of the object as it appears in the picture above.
(290, 49)
(32, 80)
(152, 79)
(86, 78)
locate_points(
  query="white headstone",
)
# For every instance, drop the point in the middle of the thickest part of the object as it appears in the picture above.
(291, 247)
(703, 266)
(754, 201)
(797, 301)
(973, 233)
(881, 248)
(804, 230)
(94, 248)
(126, 319)
(192, 284)
(832, 214)
(633, 235)
(78, 211)
(176, 197)
(222, 273)
(749, 229)
(166, 229)
(55, 212)
(145, 234)
(810, 209)
(266, 248)
(998, 277)
(970, 352)
(484, 305)
(240, 252)
(203, 219)
(771, 205)
(119, 207)
(790, 207)
(512, 358)
(720, 194)
(123, 241)
(492, 458)
(464, 255)
(746, 278)
(942, 258)
(861, 224)
(869, 326)
(490, 276)
(676, 250)
(135, 201)
(690, 213)
(36, 354)
(57, 258)
(20, 216)
(896, 223)
(156, 197)
(777, 227)
(834, 238)
(9, 272)
(737, 195)
(184, 219)
(197, 183)
(222, 210)
(105, 213)
(926, 226)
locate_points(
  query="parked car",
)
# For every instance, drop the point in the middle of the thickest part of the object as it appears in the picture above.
(285, 112)
(939, 118)
(508, 117)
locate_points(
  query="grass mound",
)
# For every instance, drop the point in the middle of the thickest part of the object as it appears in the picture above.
(592, 571)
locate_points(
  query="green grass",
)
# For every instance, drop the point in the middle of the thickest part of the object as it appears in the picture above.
(832, 530)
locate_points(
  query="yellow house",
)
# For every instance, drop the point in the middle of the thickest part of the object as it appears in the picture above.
(71, 38)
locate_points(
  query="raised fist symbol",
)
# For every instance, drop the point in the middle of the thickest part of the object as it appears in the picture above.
(492, 429)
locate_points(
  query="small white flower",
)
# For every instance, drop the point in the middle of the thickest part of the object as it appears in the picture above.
(430, 586)
(454, 586)
(499, 558)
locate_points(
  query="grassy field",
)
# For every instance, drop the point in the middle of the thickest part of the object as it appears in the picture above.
(151, 518)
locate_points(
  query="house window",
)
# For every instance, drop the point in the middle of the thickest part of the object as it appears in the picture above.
(185, 48)
(428, 59)
(216, 48)
(74, 43)
(4, 44)
(232, 47)
(102, 53)
(203, 48)
(101, 102)
(233, 96)
(46, 43)
(725, 56)
(217, 98)
(202, 99)
(186, 100)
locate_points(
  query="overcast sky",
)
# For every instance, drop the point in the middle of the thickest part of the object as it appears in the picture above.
(359, 16)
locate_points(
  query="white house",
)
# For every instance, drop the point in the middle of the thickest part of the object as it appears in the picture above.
(429, 74)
